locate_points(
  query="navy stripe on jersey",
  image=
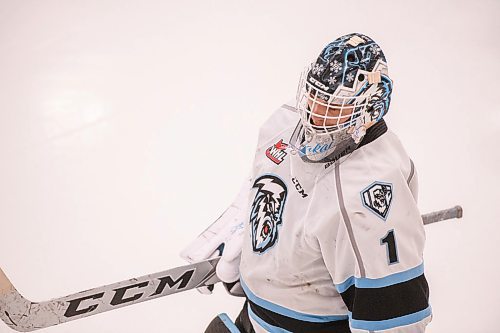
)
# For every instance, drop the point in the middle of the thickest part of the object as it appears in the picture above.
(274, 322)
(276, 318)
(268, 327)
(288, 312)
(396, 300)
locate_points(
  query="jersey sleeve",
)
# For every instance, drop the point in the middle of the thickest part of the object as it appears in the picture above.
(375, 256)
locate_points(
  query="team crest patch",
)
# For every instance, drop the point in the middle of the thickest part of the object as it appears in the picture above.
(267, 209)
(276, 152)
(377, 198)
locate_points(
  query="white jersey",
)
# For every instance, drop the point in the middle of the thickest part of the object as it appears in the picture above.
(333, 247)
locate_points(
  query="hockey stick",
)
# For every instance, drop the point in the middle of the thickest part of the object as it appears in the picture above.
(24, 315)
(445, 214)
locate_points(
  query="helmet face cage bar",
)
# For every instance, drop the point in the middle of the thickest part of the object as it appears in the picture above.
(323, 113)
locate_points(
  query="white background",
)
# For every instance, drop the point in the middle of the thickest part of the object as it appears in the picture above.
(126, 127)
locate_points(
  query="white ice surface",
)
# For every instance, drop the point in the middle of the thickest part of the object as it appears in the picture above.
(126, 127)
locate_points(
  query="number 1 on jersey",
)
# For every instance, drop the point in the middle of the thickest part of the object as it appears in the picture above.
(392, 251)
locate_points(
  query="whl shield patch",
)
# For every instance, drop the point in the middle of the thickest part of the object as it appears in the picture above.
(277, 152)
(377, 198)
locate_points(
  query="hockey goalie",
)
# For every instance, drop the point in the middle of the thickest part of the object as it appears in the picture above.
(326, 236)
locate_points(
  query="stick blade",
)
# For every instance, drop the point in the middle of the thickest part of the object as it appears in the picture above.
(13, 306)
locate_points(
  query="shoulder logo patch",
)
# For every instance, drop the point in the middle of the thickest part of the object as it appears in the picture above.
(377, 198)
(276, 152)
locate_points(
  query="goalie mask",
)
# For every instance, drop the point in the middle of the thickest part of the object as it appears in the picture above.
(340, 96)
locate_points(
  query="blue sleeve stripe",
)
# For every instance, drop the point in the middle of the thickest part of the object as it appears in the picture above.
(229, 323)
(264, 325)
(381, 282)
(341, 287)
(389, 323)
(288, 312)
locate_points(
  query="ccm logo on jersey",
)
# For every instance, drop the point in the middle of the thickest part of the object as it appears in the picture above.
(276, 152)
(377, 198)
(299, 188)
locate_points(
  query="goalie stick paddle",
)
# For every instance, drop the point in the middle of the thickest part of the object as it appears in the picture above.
(24, 315)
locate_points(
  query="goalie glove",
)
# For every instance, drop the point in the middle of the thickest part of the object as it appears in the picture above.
(223, 238)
